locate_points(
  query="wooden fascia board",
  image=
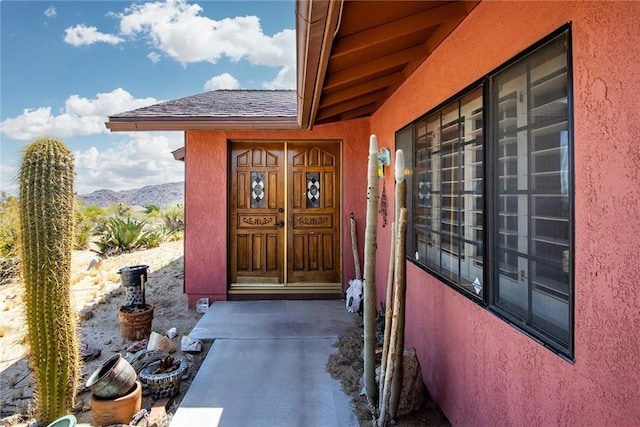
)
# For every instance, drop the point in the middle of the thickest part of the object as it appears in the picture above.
(307, 65)
(397, 29)
(330, 31)
(179, 154)
(160, 124)
(319, 27)
(375, 66)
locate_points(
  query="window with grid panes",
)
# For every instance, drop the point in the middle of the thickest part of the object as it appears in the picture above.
(491, 193)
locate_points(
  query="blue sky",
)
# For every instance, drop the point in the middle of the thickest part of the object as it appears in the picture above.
(65, 66)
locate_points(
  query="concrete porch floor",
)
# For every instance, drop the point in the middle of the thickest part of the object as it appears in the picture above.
(266, 366)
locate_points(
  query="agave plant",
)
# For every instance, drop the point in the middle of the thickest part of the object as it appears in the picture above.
(120, 235)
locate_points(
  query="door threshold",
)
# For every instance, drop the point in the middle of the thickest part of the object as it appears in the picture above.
(281, 289)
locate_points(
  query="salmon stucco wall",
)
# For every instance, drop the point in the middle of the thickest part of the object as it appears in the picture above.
(481, 370)
(207, 205)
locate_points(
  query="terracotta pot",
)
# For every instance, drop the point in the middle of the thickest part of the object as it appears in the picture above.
(116, 411)
(166, 384)
(113, 379)
(135, 325)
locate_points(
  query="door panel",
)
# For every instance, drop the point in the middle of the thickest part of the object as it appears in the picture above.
(284, 243)
(314, 237)
(257, 206)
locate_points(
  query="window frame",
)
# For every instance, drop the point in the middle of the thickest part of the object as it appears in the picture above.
(490, 195)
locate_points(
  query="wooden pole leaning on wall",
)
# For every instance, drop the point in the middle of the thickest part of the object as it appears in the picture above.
(391, 383)
(388, 311)
(354, 247)
(393, 375)
(400, 273)
(369, 308)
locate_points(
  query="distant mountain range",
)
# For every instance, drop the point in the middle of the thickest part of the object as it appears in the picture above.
(161, 195)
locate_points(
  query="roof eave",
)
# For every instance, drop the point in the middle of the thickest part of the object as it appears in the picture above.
(179, 154)
(133, 124)
(316, 27)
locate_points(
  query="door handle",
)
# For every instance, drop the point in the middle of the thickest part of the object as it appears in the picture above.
(280, 224)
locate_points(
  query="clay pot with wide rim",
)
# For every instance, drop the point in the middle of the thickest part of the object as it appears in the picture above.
(113, 379)
(106, 412)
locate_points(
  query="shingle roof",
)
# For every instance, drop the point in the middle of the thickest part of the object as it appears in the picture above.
(218, 109)
(224, 103)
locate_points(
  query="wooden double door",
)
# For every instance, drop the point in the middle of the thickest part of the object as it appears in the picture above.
(284, 217)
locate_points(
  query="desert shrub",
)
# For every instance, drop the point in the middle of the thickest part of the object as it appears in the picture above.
(174, 217)
(9, 232)
(152, 208)
(84, 226)
(84, 232)
(120, 235)
(154, 238)
(175, 236)
(9, 268)
(93, 212)
(97, 216)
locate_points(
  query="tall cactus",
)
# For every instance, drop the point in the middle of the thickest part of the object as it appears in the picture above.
(46, 214)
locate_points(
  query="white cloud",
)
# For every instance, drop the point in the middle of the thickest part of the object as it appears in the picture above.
(154, 57)
(130, 160)
(80, 116)
(50, 12)
(140, 159)
(223, 81)
(286, 79)
(177, 29)
(82, 35)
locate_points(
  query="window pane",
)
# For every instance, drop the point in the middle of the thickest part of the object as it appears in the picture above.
(529, 182)
(447, 193)
(532, 191)
(404, 142)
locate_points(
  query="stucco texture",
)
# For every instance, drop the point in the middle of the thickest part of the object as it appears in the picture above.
(207, 205)
(481, 370)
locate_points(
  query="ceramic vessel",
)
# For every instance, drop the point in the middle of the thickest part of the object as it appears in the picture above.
(106, 412)
(66, 421)
(113, 379)
(135, 325)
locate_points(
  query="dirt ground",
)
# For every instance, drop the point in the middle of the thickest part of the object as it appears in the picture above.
(98, 291)
(347, 366)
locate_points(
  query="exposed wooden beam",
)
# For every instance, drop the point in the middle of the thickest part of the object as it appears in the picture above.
(359, 90)
(324, 113)
(373, 67)
(363, 111)
(431, 44)
(397, 29)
